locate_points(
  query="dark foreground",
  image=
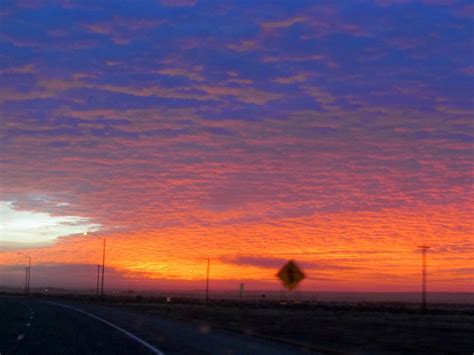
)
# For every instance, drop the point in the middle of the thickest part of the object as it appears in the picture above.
(30, 326)
(189, 327)
(370, 328)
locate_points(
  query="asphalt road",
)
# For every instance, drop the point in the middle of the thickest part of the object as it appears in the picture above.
(29, 326)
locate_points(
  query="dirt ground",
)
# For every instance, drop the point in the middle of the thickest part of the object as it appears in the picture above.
(336, 328)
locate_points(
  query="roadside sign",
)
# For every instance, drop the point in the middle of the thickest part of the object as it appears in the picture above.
(291, 275)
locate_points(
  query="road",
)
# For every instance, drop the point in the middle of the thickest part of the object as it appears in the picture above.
(30, 326)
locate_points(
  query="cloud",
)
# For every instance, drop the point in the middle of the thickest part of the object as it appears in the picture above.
(319, 133)
(468, 70)
(285, 23)
(179, 3)
(244, 45)
(192, 74)
(277, 263)
(25, 69)
(300, 77)
(122, 30)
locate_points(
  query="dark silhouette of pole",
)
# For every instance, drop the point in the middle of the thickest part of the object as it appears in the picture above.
(98, 280)
(103, 268)
(207, 281)
(28, 274)
(424, 249)
(103, 272)
(26, 281)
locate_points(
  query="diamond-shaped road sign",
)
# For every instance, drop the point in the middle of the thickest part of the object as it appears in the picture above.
(291, 275)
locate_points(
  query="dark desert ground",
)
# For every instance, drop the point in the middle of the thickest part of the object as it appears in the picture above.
(328, 327)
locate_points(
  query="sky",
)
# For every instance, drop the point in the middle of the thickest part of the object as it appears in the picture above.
(337, 134)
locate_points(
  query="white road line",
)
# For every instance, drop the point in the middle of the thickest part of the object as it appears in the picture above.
(134, 337)
(20, 337)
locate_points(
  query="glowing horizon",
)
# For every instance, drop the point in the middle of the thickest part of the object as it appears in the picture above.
(337, 135)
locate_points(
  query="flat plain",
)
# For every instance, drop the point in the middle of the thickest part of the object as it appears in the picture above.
(335, 327)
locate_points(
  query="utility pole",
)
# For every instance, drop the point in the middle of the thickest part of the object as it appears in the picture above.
(29, 274)
(424, 249)
(98, 280)
(26, 281)
(103, 272)
(207, 281)
(103, 268)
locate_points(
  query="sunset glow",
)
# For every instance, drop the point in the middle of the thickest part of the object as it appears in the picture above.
(250, 133)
